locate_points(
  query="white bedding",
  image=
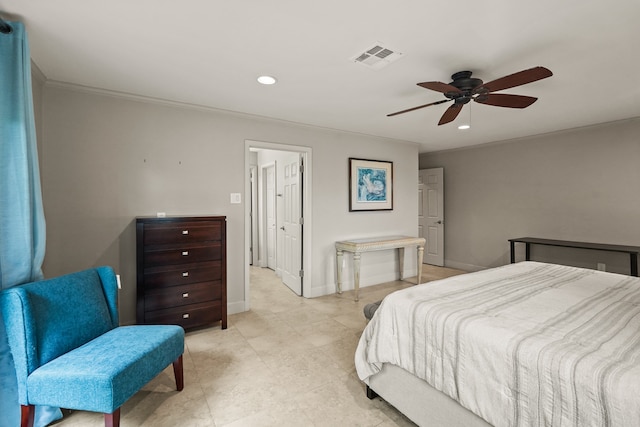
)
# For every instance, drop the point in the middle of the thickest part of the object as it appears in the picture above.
(527, 344)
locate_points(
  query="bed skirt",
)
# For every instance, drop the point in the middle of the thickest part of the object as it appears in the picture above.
(418, 401)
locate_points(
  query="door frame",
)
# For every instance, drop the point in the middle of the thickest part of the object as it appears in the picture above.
(263, 201)
(254, 256)
(307, 227)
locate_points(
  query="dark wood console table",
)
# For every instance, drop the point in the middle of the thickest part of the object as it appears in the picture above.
(633, 251)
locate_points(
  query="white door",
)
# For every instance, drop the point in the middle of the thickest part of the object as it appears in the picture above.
(292, 255)
(253, 214)
(270, 214)
(431, 214)
(421, 203)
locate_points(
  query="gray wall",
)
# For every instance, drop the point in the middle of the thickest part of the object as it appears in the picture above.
(107, 159)
(579, 185)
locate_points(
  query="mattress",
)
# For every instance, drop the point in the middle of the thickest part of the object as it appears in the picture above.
(520, 345)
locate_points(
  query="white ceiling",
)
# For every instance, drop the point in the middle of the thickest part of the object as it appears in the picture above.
(209, 53)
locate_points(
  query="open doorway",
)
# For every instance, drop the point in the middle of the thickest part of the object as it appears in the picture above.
(278, 214)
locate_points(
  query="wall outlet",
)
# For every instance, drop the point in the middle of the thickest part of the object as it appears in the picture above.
(602, 266)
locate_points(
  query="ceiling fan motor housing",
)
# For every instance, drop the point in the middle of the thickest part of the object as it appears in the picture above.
(463, 81)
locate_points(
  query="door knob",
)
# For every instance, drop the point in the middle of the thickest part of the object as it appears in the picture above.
(282, 228)
(439, 222)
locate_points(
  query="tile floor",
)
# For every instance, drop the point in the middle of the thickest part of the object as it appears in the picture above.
(286, 362)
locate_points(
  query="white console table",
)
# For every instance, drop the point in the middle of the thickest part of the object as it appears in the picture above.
(357, 246)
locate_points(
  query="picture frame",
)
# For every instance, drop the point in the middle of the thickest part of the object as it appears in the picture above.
(370, 185)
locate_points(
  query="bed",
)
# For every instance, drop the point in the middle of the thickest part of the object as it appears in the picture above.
(526, 344)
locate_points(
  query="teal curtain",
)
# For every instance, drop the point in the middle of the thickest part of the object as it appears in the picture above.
(22, 226)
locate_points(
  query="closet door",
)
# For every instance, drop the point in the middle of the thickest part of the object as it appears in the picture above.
(431, 214)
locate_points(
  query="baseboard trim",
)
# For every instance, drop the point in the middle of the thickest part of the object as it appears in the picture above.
(236, 307)
(332, 288)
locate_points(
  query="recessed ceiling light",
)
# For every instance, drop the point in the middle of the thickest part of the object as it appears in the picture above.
(463, 127)
(267, 80)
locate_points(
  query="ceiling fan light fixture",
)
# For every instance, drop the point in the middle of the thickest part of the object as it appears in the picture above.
(466, 121)
(267, 80)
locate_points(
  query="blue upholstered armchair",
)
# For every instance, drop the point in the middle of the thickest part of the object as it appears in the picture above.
(69, 351)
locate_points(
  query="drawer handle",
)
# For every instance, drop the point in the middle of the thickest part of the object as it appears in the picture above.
(185, 316)
(185, 253)
(185, 232)
(185, 274)
(185, 295)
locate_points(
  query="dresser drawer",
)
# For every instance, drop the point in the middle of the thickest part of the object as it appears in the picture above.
(176, 296)
(182, 255)
(174, 275)
(188, 232)
(187, 316)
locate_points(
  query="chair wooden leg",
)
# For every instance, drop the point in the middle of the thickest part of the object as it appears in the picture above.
(27, 415)
(178, 373)
(112, 419)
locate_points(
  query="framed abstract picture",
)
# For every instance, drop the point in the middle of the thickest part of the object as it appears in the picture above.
(370, 185)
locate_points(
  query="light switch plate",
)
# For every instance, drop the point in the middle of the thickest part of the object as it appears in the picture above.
(236, 198)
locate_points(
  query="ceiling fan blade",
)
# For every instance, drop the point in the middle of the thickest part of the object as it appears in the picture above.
(440, 87)
(451, 114)
(516, 79)
(505, 100)
(417, 108)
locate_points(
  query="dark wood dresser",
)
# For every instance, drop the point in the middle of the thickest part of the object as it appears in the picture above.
(181, 270)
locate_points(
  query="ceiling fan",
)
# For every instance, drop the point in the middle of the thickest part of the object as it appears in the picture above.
(464, 88)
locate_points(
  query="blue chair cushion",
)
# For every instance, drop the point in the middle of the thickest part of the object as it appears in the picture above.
(95, 377)
(60, 314)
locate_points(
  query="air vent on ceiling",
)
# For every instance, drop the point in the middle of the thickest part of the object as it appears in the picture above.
(377, 56)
